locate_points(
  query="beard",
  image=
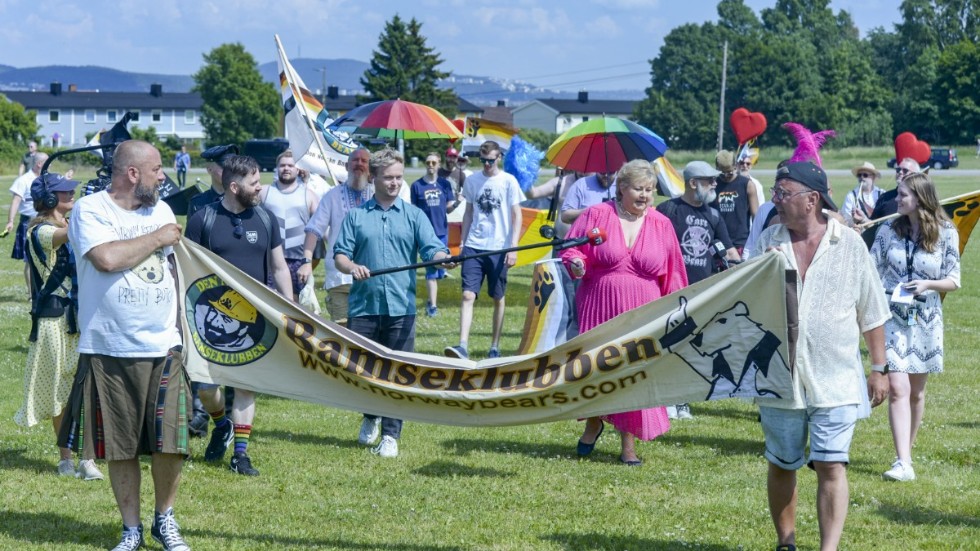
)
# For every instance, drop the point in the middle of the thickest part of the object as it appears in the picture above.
(247, 199)
(288, 181)
(706, 196)
(147, 194)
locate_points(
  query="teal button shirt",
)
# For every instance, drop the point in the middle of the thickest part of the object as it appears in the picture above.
(378, 238)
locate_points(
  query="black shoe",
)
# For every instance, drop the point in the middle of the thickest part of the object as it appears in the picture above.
(198, 427)
(786, 547)
(167, 533)
(584, 449)
(221, 438)
(631, 463)
(241, 464)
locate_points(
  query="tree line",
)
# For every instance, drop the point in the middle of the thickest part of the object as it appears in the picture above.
(799, 61)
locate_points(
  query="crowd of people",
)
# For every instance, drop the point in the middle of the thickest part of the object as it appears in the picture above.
(105, 365)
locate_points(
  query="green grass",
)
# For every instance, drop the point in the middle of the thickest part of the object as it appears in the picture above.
(702, 485)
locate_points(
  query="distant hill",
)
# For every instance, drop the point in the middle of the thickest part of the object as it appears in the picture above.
(345, 74)
(90, 77)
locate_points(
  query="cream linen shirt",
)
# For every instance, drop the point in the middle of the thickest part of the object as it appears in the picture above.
(843, 297)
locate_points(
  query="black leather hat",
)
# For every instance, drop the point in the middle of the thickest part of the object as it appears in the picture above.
(218, 153)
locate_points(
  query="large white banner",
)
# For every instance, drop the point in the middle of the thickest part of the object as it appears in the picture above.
(723, 337)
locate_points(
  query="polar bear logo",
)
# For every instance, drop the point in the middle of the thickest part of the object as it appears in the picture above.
(732, 352)
(151, 269)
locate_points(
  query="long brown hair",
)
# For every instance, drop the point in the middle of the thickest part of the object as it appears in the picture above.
(931, 213)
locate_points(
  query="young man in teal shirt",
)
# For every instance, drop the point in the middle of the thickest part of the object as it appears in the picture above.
(385, 232)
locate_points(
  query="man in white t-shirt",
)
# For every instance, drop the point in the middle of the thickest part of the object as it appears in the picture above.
(131, 396)
(21, 203)
(492, 221)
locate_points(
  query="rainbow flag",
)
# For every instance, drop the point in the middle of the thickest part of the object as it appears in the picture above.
(317, 149)
(479, 130)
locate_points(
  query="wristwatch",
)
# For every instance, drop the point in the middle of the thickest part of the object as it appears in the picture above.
(882, 368)
(307, 260)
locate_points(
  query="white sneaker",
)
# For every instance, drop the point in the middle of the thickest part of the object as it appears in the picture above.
(671, 412)
(370, 430)
(387, 448)
(900, 472)
(88, 471)
(66, 467)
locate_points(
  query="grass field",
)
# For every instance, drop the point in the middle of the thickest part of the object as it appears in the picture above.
(702, 485)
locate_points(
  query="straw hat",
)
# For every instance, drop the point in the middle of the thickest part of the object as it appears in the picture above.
(866, 167)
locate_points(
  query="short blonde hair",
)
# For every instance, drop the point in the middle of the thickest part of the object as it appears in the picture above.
(381, 160)
(637, 171)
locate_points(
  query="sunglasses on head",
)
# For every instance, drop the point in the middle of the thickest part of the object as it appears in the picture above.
(239, 231)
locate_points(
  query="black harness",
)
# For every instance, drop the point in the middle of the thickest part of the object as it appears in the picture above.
(44, 303)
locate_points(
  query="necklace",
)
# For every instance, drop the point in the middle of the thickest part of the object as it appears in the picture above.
(629, 216)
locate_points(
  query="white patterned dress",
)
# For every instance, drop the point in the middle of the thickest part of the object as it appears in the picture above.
(917, 348)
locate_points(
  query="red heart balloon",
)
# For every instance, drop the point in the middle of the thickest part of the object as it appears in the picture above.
(907, 145)
(459, 124)
(747, 125)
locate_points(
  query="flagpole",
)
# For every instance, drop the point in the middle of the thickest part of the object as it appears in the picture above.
(298, 97)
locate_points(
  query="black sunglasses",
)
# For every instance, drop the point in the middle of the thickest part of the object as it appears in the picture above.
(239, 231)
(901, 170)
(486, 161)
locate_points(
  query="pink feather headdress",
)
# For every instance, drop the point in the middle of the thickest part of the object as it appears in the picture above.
(808, 143)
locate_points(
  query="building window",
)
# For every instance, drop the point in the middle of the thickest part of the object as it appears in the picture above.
(111, 115)
(136, 116)
(156, 115)
(90, 115)
(585, 118)
(54, 115)
(190, 116)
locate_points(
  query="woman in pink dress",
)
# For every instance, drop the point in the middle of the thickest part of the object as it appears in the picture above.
(639, 263)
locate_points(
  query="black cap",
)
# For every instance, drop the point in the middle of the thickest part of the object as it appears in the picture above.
(219, 153)
(811, 176)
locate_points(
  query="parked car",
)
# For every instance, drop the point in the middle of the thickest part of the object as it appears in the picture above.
(941, 158)
(265, 151)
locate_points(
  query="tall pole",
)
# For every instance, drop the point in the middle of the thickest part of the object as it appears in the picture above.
(721, 101)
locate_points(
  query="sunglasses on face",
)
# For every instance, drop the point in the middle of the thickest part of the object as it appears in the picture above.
(863, 175)
(431, 163)
(902, 170)
(239, 231)
(487, 161)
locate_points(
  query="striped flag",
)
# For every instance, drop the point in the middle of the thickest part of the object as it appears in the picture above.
(550, 318)
(317, 149)
(479, 130)
(531, 222)
(669, 182)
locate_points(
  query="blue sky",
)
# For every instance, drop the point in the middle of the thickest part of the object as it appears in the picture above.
(572, 44)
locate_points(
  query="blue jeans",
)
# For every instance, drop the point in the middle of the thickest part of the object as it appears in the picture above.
(395, 332)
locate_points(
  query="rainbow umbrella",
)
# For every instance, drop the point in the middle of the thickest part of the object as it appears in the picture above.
(604, 145)
(393, 119)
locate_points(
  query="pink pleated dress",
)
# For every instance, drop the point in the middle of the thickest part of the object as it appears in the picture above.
(618, 279)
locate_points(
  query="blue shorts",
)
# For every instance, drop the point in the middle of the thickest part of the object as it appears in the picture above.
(830, 431)
(435, 272)
(491, 267)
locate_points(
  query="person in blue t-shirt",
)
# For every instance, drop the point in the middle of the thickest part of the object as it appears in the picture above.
(435, 196)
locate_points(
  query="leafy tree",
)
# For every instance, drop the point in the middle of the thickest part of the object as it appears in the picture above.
(238, 104)
(17, 127)
(958, 91)
(541, 139)
(404, 67)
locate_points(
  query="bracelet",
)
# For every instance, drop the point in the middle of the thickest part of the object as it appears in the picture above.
(880, 368)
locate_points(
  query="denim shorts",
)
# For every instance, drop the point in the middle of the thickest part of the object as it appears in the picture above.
(830, 431)
(491, 267)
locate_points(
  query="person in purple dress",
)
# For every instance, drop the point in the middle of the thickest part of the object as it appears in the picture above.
(639, 262)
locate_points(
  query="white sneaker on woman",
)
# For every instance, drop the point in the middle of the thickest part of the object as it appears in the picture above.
(900, 472)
